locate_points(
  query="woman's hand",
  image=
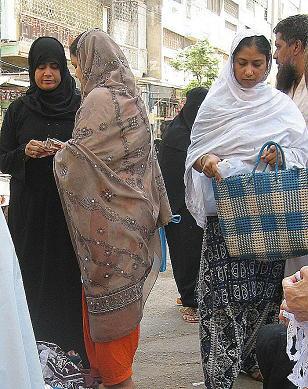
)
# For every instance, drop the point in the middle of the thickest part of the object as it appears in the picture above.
(2, 199)
(269, 156)
(36, 149)
(207, 164)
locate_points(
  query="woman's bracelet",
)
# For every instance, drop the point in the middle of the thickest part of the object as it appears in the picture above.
(203, 159)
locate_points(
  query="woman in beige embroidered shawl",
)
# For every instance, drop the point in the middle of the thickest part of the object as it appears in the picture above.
(114, 199)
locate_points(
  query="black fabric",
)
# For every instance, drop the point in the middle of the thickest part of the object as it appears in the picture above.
(273, 360)
(62, 102)
(49, 266)
(177, 134)
(184, 239)
(185, 242)
(174, 145)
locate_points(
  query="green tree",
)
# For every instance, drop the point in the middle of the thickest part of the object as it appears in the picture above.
(200, 61)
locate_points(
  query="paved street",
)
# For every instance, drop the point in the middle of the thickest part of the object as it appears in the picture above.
(168, 356)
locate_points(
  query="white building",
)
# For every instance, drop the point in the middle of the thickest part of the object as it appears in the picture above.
(186, 21)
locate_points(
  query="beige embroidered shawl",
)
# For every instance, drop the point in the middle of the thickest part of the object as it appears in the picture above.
(112, 191)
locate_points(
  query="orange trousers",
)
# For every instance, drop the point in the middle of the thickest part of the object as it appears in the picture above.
(111, 361)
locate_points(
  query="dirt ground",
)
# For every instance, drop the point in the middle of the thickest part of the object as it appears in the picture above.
(168, 356)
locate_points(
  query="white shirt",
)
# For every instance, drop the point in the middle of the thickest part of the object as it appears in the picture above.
(300, 97)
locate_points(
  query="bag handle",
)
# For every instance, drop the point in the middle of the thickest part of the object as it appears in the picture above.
(267, 145)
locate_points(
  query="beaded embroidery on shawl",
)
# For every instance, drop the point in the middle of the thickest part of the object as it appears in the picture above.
(114, 214)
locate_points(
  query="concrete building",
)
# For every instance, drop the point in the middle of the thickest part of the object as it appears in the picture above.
(186, 21)
(176, 24)
(22, 21)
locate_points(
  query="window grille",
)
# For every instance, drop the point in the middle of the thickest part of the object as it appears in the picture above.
(214, 6)
(59, 18)
(230, 26)
(175, 41)
(63, 12)
(125, 22)
(126, 11)
(231, 8)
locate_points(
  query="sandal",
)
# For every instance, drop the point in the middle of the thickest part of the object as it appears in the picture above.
(189, 314)
(254, 373)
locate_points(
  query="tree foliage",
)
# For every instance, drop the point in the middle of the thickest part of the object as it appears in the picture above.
(200, 61)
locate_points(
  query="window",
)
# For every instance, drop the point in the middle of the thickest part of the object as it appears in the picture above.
(214, 6)
(230, 26)
(126, 11)
(231, 8)
(58, 18)
(175, 41)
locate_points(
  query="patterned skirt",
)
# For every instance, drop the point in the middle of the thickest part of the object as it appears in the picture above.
(236, 298)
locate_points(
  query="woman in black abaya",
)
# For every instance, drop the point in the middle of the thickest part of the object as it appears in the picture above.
(184, 239)
(49, 267)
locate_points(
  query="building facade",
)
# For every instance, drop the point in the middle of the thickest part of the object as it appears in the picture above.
(150, 32)
(187, 21)
(176, 24)
(22, 21)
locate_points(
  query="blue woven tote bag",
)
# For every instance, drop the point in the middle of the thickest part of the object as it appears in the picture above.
(264, 215)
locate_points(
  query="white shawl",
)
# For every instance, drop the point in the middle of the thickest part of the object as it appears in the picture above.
(19, 360)
(234, 122)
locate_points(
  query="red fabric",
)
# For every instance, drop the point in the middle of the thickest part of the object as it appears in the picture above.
(111, 361)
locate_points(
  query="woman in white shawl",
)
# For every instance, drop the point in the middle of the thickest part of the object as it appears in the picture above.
(19, 360)
(240, 113)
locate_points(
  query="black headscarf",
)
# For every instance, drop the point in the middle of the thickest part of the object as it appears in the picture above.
(174, 145)
(62, 102)
(177, 134)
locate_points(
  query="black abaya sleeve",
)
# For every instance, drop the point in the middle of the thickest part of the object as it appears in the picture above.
(12, 154)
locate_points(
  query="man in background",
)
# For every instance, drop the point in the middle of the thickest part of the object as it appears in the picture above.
(291, 40)
(273, 360)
